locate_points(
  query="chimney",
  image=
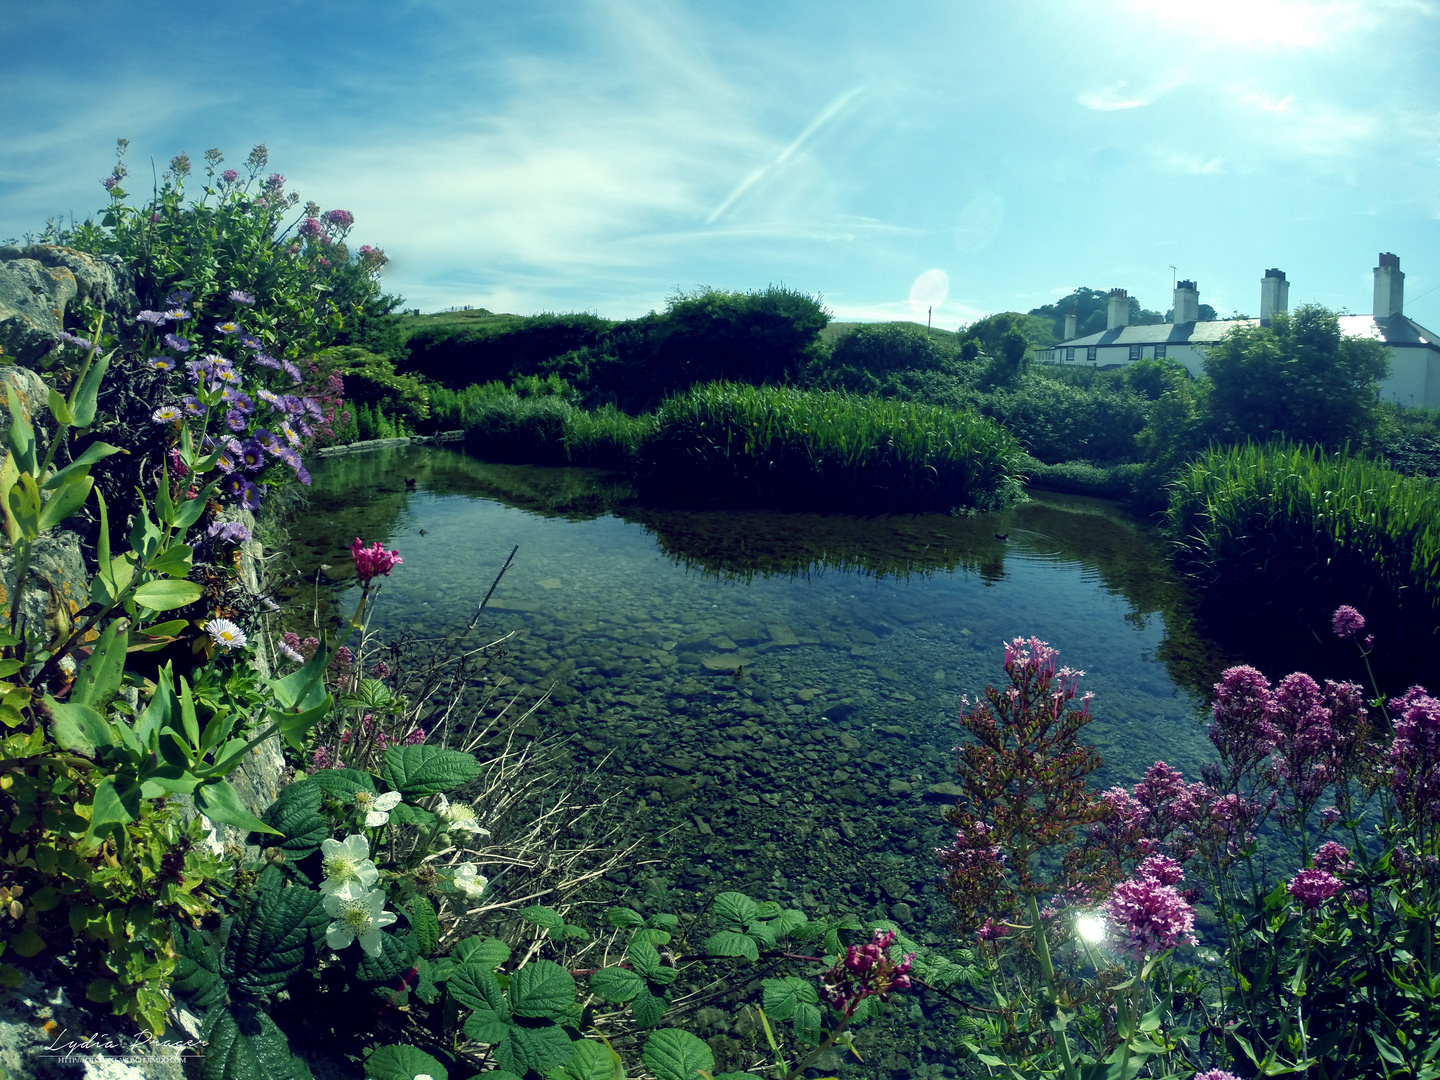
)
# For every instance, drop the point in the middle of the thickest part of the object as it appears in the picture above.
(1187, 302)
(1070, 324)
(1119, 313)
(1274, 295)
(1389, 287)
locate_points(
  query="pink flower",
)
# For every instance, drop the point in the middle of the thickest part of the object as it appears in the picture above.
(991, 930)
(373, 560)
(1149, 917)
(1161, 869)
(1313, 887)
(1415, 756)
(341, 219)
(311, 227)
(1333, 858)
(865, 970)
(1347, 622)
(1216, 1074)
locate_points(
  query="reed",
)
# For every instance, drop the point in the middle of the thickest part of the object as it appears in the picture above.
(732, 444)
(549, 430)
(1295, 532)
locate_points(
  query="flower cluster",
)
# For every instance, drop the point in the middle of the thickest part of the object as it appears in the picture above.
(1415, 757)
(373, 560)
(351, 898)
(1146, 914)
(865, 970)
(1313, 887)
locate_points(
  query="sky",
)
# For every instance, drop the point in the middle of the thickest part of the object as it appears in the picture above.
(909, 160)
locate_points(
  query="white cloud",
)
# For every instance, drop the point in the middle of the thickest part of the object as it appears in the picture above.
(1117, 97)
(1278, 25)
(1192, 164)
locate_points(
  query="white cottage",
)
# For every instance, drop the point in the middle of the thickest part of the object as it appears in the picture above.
(1414, 351)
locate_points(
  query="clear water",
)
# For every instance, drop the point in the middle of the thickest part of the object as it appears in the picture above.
(776, 693)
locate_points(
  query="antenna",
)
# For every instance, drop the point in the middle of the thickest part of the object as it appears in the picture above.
(1172, 279)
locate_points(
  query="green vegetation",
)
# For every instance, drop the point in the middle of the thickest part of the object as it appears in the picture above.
(737, 445)
(1291, 532)
(1092, 308)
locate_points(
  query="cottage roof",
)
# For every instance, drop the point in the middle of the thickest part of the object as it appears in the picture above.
(1397, 330)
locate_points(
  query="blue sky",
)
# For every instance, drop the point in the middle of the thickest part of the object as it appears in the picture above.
(973, 156)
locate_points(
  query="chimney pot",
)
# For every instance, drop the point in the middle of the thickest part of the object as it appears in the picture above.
(1274, 295)
(1187, 302)
(1389, 287)
(1118, 314)
(1070, 323)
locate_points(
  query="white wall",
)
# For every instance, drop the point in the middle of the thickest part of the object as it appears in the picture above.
(1414, 378)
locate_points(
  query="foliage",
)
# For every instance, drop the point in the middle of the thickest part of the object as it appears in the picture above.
(1290, 532)
(1092, 308)
(550, 430)
(497, 349)
(308, 285)
(370, 380)
(1056, 423)
(732, 444)
(868, 359)
(1118, 482)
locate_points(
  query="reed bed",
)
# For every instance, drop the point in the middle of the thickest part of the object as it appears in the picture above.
(732, 444)
(1295, 532)
(551, 431)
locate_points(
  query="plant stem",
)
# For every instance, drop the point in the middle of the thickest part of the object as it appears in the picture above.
(1047, 971)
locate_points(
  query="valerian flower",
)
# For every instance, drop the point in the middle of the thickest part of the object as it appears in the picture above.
(376, 808)
(1313, 887)
(1148, 918)
(349, 872)
(1347, 622)
(357, 919)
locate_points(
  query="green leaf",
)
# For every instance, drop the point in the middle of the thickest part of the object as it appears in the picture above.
(197, 972)
(476, 987)
(217, 800)
(541, 1048)
(96, 451)
(616, 984)
(542, 988)
(540, 915)
(296, 816)
(60, 410)
(732, 943)
(175, 561)
(672, 1054)
(735, 908)
(21, 436)
(490, 952)
(647, 1008)
(403, 1063)
(428, 770)
(242, 1043)
(398, 953)
(191, 509)
(65, 501)
(486, 1026)
(787, 921)
(275, 939)
(78, 727)
(344, 784)
(89, 392)
(623, 917)
(654, 937)
(302, 697)
(99, 679)
(645, 958)
(405, 814)
(168, 594)
(591, 1061)
(807, 1021)
(424, 924)
(781, 996)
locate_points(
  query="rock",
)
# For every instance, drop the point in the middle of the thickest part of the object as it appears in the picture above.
(717, 662)
(56, 587)
(901, 912)
(848, 741)
(781, 635)
(899, 787)
(945, 792)
(723, 643)
(549, 583)
(37, 282)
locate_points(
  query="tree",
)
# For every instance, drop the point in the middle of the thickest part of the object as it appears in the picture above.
(1092, 313)
(1298, 378)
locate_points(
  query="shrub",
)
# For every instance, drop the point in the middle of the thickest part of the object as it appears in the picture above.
(736, 445)
(1292, 532)
(867, 359)
(1058, 423)
(499, 349)
(550, 430)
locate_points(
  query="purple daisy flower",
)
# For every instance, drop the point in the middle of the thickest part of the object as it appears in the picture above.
(293, 371)
(250, 496)
(267, 439)
(228, 374)
(304, 429)
(193, 405)
(291, 435)
(241, 297)
(267, 361)
(166, 414)
(250, 341)
(178, 314)
(269, 397)
(235, 420)
(178, 297)
(176, 342)
(238, 399)
(227, 328)
(234, 484)
(251, 454)
(79, 342)
(312, 407)
(288, 456)
(302, 475)
(228, 532)
(163, 363)
(154, 318)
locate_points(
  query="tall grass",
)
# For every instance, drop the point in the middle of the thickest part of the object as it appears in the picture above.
(731, 444)
(1295, 532)
(549, 430)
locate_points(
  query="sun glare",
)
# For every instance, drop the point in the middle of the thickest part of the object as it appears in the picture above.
(1263, 24)
(1091, 927)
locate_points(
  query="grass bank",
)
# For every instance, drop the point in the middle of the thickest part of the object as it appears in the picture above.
(1291, 532)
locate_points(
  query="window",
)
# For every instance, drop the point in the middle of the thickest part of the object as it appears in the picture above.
(1134, 353)
(1090, 352)
(1070, 356)
(1159, 352)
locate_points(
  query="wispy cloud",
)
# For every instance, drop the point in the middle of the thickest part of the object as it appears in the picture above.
(1119, 97)
(1281, 25)
(821, 120)
(1181, 161)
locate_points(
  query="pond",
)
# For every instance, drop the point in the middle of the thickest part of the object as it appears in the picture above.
(777, 694)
